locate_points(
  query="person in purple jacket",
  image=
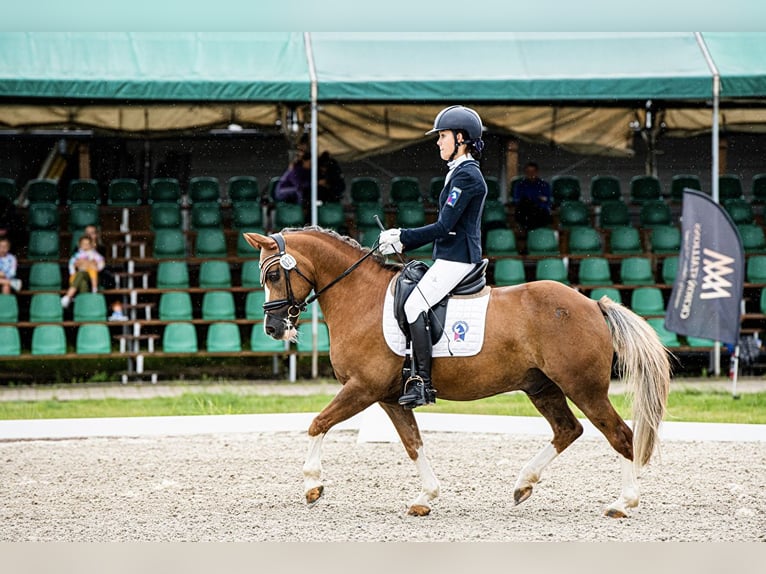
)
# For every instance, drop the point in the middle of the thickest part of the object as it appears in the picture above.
(456, 236)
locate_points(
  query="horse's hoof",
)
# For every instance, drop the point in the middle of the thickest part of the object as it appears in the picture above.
(521, 494)
(419, 510)
(313, 495)
(615, 513)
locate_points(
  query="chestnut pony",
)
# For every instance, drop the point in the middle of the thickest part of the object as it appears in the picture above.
(542, 337)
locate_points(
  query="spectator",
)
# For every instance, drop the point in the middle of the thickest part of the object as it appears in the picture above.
(106, 277)
(8, 264)
(84, 267)
(295, 184)
(330, 181)
(533, 199)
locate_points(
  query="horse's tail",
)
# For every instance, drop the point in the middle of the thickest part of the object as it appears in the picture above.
(644, 366)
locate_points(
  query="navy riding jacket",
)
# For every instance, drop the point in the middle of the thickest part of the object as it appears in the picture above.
(457, 232)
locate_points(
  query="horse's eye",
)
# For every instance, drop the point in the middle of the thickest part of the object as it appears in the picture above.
(273, 276)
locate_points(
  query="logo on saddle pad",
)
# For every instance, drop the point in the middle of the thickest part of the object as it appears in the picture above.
(459, 331)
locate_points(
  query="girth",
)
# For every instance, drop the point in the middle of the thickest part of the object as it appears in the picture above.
(413, 272)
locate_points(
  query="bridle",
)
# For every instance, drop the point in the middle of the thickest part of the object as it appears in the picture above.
(287, 262)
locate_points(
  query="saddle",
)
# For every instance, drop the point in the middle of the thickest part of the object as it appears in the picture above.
(412, 272)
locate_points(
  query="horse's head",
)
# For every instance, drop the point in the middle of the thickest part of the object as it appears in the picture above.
(285, 284)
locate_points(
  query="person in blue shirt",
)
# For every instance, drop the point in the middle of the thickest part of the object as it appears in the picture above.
(456, 236)
(533, 199)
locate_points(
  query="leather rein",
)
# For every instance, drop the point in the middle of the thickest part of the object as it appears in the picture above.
(288, 263)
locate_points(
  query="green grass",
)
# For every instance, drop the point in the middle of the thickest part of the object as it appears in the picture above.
(686, 405)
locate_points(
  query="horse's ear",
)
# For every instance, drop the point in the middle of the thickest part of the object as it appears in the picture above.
(258, 241)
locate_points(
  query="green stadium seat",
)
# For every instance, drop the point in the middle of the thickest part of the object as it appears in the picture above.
(565, 188)
(612, 292)
(43, 244)
(48, 340)
(172, 275)
(655, 212)
(605, 188)
(169, 244)
(501, 242)
(613, 213)
(594, 271)
(509, 272)
(729, 187)
(288, 215)
(636, 271)
(305, 339)
(175, 306)
(755, 270)
(9, 308)
(204, 189)
(645, 188)
(758, 189)
(246, 214)
(8, 188)
(405, 188)
(214, 274)
(206, 214)
(124, 192)
(740, 211)
(243, 188)
(410, 214)
(647, 301)
(166, 216)
(43, 216)
(45, 276)
(435, 186)
(762, 306)
(81, 215)
(493, 187)
(368, 236)
(665, 239)
(625, 240)
(365, 215)
(210, 243)
(585, 241)
(179, 337)
(43, 191)
(10, 341)
(218, 306)
(552, 268)
(83, 191)
(164, 190)
(699, 341)
(89, 307)
(542, 241)
(681, 181)
(668, 338)
(494, 215)
(93, 339)
(254, 305)
(365, 190)
(753, 240)
(45, 308)
(331, 216)
(244, 249)
(261, 342)
(251, 274)
(669, 269)
(223, 338)
(573, 213)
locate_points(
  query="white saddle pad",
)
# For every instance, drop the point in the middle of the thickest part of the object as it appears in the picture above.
(463, 327)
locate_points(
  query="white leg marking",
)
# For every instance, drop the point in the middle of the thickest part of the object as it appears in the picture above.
(312, 468)
(629, 495)
(428, 478)
(530, 474)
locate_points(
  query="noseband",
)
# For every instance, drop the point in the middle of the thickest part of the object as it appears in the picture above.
(288, 263)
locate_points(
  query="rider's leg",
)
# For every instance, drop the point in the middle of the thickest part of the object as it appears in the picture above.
(437, 282)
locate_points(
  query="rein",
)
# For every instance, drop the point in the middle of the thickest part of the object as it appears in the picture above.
(288, 263)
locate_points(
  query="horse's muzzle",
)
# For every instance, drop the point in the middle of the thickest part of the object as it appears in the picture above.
(278, 328)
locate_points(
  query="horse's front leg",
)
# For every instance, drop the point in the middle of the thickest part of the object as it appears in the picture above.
(407, 427)
(353, 398)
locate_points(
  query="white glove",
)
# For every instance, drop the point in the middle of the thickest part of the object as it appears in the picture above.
(389, 241)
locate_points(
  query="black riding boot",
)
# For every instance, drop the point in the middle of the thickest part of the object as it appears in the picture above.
(418, 390)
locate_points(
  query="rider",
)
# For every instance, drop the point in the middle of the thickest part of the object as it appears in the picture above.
(456, 236)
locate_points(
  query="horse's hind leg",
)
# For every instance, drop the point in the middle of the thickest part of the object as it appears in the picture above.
(550, 401)
(407, 427)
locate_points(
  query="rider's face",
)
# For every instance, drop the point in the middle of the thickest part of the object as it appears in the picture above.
(446, 144)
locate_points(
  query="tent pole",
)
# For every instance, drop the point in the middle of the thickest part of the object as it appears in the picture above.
(714, 168)
(314, 177)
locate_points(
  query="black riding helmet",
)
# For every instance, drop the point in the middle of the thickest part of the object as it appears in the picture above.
(457, 118)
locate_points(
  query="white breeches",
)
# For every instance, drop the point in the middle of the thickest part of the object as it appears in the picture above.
(441, 278)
